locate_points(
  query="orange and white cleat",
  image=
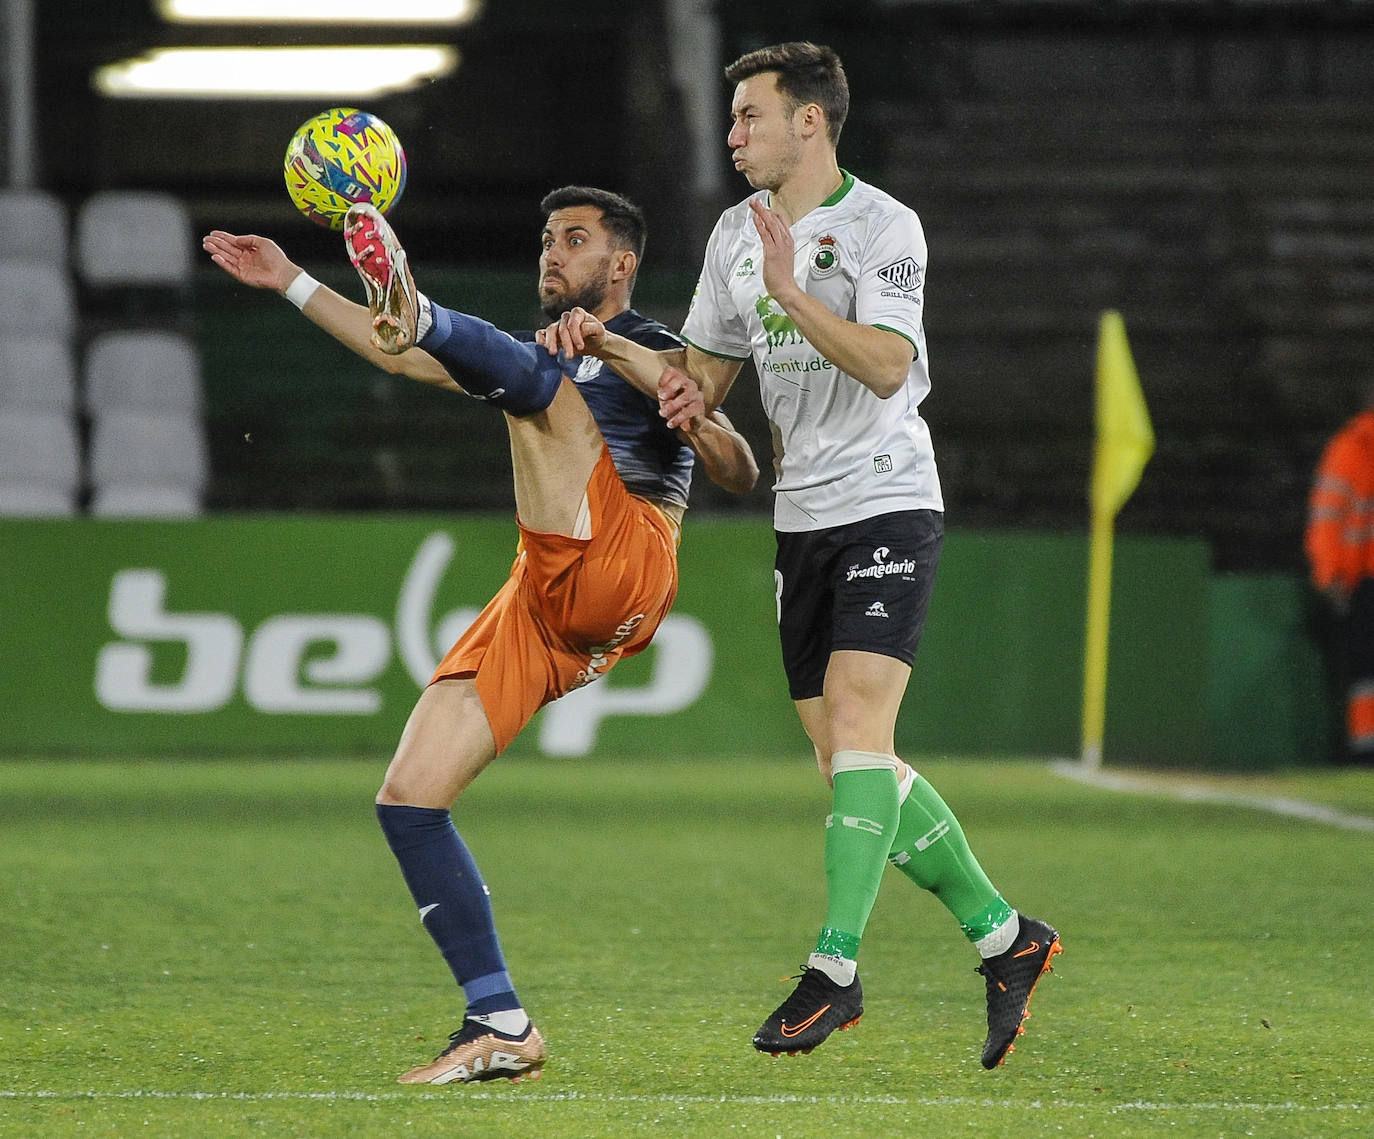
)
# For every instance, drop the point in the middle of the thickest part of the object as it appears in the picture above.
(478, 1052)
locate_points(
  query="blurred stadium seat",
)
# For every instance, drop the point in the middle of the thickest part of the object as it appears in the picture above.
(147, 463)
(37, 299)
(33, 226)
(133, 238)
(37, 373)
(144, 370)
(40, 463)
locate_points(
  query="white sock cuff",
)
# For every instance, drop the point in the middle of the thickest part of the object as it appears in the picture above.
(424, 316)
(907, 783)
(510, 1021)
(861, 761)
(841, 970)
(1001, 938)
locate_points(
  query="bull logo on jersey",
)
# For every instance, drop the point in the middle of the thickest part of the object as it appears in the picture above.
(826, 259)
(780, 327)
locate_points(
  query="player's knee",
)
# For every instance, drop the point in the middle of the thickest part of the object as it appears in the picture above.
(535, 390)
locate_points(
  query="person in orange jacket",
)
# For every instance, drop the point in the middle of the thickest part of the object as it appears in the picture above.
(1340, 551)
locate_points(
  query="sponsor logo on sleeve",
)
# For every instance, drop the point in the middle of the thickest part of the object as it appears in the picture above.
(903, 274)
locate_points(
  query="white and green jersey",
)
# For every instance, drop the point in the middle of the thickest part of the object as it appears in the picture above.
(840, 453)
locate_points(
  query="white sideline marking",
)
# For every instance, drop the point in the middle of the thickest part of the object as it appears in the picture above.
(1201, 793)
(568, 1097)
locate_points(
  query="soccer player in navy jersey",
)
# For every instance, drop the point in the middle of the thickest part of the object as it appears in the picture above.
(601, 484)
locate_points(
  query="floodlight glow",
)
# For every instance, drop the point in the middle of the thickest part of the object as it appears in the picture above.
(318, 11)
(274, 72)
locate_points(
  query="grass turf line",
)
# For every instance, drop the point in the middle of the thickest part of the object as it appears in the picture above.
(225, 948)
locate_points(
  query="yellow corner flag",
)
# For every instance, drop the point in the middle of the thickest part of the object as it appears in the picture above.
(1125, 441)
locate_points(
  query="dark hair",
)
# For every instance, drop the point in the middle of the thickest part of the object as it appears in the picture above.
(807, 73)
(619, 215)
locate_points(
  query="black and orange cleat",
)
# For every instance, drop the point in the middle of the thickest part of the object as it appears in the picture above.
(1011, 979)
(816, 1008)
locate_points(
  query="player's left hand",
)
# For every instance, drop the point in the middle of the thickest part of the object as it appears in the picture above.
(778, 250)
(680, 401)
(575, 333)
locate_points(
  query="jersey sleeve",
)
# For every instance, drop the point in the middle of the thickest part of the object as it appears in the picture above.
(890, 289)
(713, 322)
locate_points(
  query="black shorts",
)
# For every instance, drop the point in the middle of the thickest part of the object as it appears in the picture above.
(865, 585)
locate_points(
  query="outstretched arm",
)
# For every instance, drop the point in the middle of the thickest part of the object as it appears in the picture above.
(261, 264)
(724, 452)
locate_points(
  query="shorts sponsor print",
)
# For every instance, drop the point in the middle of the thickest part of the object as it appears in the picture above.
(865, 586)
(571, 607)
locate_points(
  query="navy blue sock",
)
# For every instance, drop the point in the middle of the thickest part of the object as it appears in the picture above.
(454, 905)
(517, 376)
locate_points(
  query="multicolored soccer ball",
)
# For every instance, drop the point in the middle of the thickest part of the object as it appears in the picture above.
(340, 157)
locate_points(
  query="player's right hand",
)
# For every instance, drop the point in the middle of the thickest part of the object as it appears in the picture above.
(253, 260)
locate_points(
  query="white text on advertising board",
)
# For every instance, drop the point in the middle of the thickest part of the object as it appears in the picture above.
(329, 664)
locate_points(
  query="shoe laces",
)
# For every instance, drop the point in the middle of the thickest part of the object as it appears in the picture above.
(372, 257)
(469, 1031)
(990, 973)
(814, 986)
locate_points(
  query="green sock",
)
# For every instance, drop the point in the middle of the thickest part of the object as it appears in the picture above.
(931, 850)
(858, 836)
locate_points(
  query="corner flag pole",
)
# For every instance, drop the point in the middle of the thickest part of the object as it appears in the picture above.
(1125, 441)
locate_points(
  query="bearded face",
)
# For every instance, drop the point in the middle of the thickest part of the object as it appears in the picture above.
(568, 286)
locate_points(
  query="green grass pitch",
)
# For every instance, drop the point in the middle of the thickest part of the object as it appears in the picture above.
(225, 948)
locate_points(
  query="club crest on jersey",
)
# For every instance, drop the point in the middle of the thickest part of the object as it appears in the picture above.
(587, 369)
(826, 259)
(746, 268)
(904, 274)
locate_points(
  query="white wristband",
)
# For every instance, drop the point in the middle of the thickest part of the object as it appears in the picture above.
(301, 289)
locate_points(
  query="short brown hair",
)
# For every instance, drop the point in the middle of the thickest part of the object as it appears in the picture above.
(807, 73)
(622, 218)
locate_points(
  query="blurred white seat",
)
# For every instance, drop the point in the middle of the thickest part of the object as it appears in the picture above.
(133, 237)
(37, 372)
(40, 463)
(147, 463)
(145, 501)
(33, 226)
(147, 370)
(36, 299)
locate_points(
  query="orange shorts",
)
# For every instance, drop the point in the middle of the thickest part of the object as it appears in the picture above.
(571, 607)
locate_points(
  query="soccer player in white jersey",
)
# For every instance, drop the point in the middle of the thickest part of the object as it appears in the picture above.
(820, 278)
